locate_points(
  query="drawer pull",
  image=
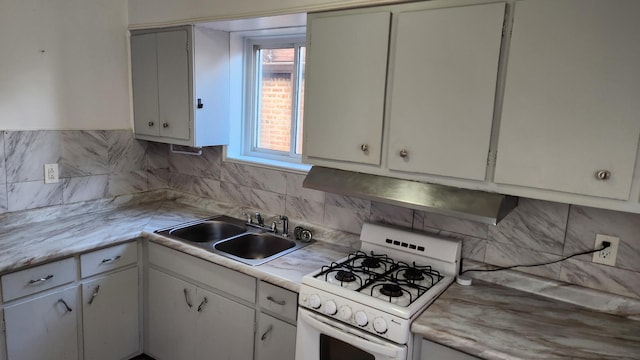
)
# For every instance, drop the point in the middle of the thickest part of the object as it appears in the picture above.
(202, 304)
(95, 293)
(187, 298)
(279, 302)
(266, 333)
(41, 280)
(65, 305)
(110, 260)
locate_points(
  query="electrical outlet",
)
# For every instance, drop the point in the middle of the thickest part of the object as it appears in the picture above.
(608, 255)
(51, 173)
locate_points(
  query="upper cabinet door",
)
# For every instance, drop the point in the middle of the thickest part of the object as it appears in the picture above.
(571, 107)
(443, 85)
(345, 86)
(443, 81)
(144, 72)
(174, 83)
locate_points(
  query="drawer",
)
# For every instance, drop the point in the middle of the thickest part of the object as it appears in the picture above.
(39, 278)
(278, 300)
(214, 276)
(114, 257)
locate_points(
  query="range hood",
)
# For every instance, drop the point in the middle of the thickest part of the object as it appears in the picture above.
(473, 205)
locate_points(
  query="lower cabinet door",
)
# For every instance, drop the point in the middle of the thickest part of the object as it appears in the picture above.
(223, 329)
(110, 316)
(170, 318)
(275, 339)
(44, 328)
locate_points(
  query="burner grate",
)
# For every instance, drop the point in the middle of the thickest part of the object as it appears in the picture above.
(379, 274)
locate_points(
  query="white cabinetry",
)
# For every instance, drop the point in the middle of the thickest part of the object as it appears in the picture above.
(345, 86)
(440, 88)
(187, 321)
(180, 81)
(110, 303)
(110, 316)
(275, 339)
(276, 336)
(43, 327)
(442, 76)
(571, 97)
(435, 351)
(43, 307)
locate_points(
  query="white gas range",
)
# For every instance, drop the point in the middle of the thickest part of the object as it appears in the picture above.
(362, 306)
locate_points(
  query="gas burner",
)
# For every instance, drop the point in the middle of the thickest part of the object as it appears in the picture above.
(345, 276)
(412, 274)
(391, 290)
(371, 262)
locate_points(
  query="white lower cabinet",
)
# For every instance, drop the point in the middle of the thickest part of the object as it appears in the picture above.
(435, 351)
(275, 339)
(188, 322)
(45, 327)
(110, 316)
(46, 316)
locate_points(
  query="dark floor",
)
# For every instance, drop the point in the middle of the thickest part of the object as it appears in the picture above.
(142, 357)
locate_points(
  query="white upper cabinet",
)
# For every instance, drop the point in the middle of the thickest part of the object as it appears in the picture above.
(345, 86)
(443, 77)
(180, 81)
(571, 114)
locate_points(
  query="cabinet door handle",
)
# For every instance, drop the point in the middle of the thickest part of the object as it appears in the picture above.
(165, 125)
(65, 305)
(603, 174)
(150, 123)
(202, 304)
(95, 293)
(404, 153)
(110, 260)
(279, 302)
(266, 333)
(187, 298)
(364, 147)
(41, 280)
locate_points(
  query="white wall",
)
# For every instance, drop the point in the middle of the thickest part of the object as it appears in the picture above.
(144, 13)
(64, 65)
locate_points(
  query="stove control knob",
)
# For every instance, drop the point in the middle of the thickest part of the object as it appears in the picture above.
(330, 308)
(314, 301)
(361, 318)
(345, 312)
(379, 325)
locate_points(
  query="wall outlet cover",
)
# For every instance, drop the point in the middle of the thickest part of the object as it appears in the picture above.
(51, 173)
(608, 255)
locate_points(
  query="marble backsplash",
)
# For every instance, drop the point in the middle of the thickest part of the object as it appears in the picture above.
(103, 164)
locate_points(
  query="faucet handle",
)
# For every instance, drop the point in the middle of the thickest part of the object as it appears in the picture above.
(285, 225)
(248, 215)
(259, 219)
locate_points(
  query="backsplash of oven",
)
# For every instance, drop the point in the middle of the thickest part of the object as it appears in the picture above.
(99, 164)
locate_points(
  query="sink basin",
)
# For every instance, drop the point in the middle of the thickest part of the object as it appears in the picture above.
(255, 246)
(209, 230)
(231, 238)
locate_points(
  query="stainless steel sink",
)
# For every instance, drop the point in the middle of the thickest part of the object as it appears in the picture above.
(231, 238)
(255, 246)
(208, 230)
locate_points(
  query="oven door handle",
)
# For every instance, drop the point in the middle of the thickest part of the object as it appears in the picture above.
(347, 335)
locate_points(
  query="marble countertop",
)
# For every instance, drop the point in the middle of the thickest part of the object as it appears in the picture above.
(492, 321)
(25, 243)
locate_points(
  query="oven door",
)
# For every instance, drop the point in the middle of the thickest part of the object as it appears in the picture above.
(321, 338)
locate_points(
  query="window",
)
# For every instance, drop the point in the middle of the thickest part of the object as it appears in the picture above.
(273, 99)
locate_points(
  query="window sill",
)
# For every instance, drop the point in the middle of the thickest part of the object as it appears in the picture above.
(268, 163)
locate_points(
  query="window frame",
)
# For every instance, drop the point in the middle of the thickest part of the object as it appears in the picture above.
(252, 90)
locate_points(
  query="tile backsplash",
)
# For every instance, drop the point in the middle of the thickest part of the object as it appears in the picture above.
(93, 164)
(100, 164)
